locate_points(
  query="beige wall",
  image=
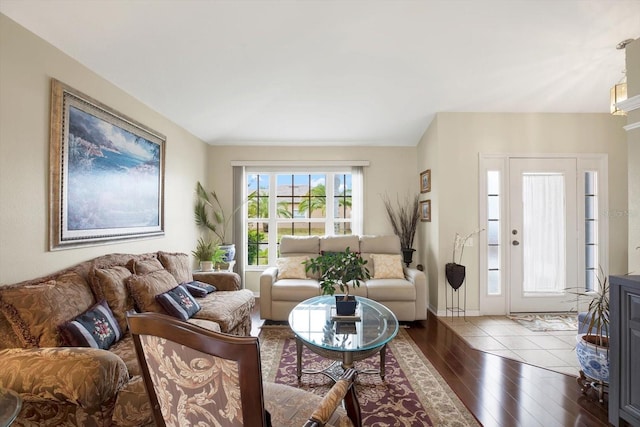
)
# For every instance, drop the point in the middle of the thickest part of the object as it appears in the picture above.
(392, 170)
(633, 141)
(452, 151)
(27, 63)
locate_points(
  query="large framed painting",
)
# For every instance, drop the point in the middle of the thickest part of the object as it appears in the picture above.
(106, 173)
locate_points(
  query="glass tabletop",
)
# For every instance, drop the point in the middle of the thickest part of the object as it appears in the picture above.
(10, 404)
(311, 321)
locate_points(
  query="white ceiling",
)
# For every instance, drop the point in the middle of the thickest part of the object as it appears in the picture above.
(341, 72)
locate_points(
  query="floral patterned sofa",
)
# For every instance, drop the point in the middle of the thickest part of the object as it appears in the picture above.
(67, 385)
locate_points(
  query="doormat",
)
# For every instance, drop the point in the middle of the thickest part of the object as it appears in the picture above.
(547, 322)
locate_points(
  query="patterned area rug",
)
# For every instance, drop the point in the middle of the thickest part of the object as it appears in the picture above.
(547, 322)
(412, 394)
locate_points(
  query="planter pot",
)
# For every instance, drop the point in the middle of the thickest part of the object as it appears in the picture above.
(594, 359)
(455, 274)
(229, 252)
(407, 255)
(345, 308)
(206, 265)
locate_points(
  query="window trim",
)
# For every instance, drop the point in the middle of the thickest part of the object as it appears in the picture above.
(354, 168)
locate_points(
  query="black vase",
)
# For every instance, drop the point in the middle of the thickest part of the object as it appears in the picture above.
(455, 274)
(407, 255)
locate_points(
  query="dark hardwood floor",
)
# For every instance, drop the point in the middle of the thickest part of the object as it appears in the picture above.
(500, 391)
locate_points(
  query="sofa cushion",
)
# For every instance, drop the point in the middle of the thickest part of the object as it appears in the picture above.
(387, 266)
(292, 267)
(390, 290)
(199, 289)
(96, 328)
(299, 245)
(126, 350)
(295, 289)
(178, 265)
(178, 302)
(110, 284)
(230, 309)
(35, 309)
(389, 244)
(146, 266)
(144, 289)
(339, 243)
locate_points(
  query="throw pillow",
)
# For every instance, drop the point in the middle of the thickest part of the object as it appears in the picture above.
(111, 284)
(178, 265)
(291, 267)
(144, 289)
(179, 303)
(95, 328)
(36, 308)
(146, 266)
(387, 266)
(199, 289)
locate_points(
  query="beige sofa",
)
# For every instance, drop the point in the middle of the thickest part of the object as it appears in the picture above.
(406, 296)
(83, 386)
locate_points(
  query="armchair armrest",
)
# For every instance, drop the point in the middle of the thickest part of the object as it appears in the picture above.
(223, 280)
(343, 389)
(85, 377)
(267, 279)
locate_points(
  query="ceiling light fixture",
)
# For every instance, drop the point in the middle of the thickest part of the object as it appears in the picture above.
(619, 91)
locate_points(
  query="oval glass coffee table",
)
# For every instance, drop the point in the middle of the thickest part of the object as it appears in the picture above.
(345, 340)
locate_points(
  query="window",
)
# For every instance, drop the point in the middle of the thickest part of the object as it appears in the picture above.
(591, 261)
(301, 203)
(494, 284)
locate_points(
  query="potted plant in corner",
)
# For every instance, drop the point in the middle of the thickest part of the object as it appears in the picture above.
(339, 270)
(204, 254)
(404, 221)
(592, 345)
(209, 215)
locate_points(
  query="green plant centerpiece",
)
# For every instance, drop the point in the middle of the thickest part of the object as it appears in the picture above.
(592, 346)
(404, 221)
(339, 270)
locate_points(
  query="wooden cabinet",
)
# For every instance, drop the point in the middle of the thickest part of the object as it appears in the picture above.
(624, 351)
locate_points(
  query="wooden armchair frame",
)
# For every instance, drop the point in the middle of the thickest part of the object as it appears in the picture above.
(245, 351)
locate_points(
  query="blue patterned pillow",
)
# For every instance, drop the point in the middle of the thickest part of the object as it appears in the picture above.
(96, 327)
(178, 302)
(199, 289)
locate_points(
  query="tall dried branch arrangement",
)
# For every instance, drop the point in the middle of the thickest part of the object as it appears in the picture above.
(404, 217)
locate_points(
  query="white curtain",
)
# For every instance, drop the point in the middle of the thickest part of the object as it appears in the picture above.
(357, 182)
(544, 233)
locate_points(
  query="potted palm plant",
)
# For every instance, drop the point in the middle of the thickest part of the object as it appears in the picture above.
(339, 270)
(404, 221)
(210, 216)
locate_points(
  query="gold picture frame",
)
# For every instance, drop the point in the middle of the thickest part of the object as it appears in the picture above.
(425, 181)
(106, 173)
(425, 211)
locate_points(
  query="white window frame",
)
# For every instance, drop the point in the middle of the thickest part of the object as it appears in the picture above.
(357, 202)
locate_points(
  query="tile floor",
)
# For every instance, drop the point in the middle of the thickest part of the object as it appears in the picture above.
(504, 337)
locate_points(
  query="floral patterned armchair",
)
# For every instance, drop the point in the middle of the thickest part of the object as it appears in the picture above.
(199, 377)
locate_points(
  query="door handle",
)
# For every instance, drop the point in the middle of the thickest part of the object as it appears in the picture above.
(515, 243)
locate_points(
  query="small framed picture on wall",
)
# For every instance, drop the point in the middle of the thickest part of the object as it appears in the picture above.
(425, 181)
(425, 211)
